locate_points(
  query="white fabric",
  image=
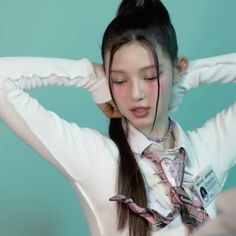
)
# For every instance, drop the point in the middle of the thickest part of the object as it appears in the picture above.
(91, 168)
(224, 223)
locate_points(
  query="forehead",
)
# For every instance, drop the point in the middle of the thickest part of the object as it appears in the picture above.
(133, 56)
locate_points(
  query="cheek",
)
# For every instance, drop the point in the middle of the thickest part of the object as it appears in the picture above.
(165, 93)
(119, 93)
(166, 84)
(152, 90)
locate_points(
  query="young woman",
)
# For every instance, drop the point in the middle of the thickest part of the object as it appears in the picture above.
(148, 167)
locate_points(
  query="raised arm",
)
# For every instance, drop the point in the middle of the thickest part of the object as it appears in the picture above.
(215, 140)
(220, 69)
(62, 143)
(28, 72)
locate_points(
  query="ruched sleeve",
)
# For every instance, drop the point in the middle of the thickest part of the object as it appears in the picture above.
(64, 144)
(215, 141)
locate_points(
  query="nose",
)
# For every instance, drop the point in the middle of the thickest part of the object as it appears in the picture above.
(137, 91)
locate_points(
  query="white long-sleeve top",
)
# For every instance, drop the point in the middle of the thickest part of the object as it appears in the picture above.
(89, 159)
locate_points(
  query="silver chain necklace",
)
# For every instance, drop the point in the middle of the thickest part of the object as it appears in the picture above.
(160, 140)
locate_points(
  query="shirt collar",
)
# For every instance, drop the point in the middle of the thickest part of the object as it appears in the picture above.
(139, 142)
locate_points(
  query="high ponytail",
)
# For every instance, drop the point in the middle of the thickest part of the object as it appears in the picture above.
(147, 17)
(127, 5)
(146, 21)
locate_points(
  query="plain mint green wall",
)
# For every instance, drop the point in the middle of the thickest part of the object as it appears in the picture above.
(35, 199)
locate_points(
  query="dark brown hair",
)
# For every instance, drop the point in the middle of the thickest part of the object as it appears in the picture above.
(148, 22)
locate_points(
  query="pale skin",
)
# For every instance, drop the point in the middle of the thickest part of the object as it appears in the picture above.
(134, 87)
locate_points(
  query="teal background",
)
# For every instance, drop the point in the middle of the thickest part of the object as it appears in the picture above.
(35, 199)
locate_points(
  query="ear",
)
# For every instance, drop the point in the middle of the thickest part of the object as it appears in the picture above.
(181, 67)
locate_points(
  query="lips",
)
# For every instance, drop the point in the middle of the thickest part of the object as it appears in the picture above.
(140, 112)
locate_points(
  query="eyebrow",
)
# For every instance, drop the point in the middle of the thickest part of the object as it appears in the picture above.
(141, 70)
(148, 67)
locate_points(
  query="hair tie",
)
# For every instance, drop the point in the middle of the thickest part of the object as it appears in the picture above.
(140, 3)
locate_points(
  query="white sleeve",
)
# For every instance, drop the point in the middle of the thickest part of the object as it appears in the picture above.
(64, 144)
(30, 72)
(220, 69)
(214, 142)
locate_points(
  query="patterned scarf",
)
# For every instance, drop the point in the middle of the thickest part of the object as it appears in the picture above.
(171, 172)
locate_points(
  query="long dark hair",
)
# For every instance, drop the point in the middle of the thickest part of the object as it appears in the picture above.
(146, 21)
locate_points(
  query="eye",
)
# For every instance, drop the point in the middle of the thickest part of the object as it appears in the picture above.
(151, 78)
(118, 81)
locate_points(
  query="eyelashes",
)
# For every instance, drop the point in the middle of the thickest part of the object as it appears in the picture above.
(118, 82)
(121, 82)
(146, 78)
(151, 78)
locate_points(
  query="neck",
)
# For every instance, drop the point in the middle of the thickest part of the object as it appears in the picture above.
(160, 128)
(162, 134)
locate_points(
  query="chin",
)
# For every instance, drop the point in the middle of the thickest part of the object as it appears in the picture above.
(142, 125)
